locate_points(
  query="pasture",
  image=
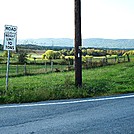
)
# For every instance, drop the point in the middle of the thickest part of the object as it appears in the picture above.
(45, 79)
(106, 80)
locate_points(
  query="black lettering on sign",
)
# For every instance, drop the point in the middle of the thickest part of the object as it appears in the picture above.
(9, 43)
(9, 39)
(10, 35)
(9, 47)
(11, 28)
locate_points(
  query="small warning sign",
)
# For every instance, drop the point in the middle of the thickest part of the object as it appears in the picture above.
(10, 37)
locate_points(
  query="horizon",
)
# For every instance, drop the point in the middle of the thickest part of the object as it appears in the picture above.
(100, 43)
(27, 41)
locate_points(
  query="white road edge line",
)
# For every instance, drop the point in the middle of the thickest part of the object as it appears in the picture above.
(66, 102)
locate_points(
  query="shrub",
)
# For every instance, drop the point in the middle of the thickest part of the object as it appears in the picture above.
(22, 57)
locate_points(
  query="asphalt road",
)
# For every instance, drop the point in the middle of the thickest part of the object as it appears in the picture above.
(109, 115)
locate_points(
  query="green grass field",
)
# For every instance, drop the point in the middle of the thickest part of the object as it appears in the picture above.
(107, 80)
(22, 70)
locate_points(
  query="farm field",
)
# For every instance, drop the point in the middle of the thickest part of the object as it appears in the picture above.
(106, 80)
(57, 65)
(37, 65)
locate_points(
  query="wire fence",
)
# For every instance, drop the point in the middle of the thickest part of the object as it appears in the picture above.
(26, 69)
(32, 69)
(17, 70)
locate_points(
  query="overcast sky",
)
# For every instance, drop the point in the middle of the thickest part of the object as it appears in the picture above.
(112, 19)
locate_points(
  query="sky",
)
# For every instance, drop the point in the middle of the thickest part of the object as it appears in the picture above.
(110, 19)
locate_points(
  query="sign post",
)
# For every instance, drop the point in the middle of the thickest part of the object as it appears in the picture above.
(10, 39)
(7, 72)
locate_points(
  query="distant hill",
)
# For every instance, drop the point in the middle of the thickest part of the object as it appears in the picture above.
(89, 42)
(109, 43)
(67, 42)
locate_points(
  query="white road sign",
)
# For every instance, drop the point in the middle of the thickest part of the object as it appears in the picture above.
(10, 29)
(10, 37)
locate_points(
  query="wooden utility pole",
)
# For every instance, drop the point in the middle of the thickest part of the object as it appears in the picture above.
(78, 42)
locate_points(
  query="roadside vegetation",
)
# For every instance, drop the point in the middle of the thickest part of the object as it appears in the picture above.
(106, 79)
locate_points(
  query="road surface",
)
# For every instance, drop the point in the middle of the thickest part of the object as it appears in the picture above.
(107, 115)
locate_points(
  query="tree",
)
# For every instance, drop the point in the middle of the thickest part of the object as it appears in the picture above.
(57, 55)
(1, 47)
(49, 54)
(84, 52)
(72, 52)
(22, 57)
(5, 54)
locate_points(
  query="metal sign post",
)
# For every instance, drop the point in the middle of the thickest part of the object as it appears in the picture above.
(10, 39)
(7, 73)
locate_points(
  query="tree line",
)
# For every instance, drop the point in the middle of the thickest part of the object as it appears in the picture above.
(61, 53)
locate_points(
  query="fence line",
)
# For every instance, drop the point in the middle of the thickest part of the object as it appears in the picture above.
(28, 69)
(33, 69)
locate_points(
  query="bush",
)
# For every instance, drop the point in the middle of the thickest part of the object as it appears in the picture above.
(22, 57)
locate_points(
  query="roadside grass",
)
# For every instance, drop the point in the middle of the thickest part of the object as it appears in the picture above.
(107, 80)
